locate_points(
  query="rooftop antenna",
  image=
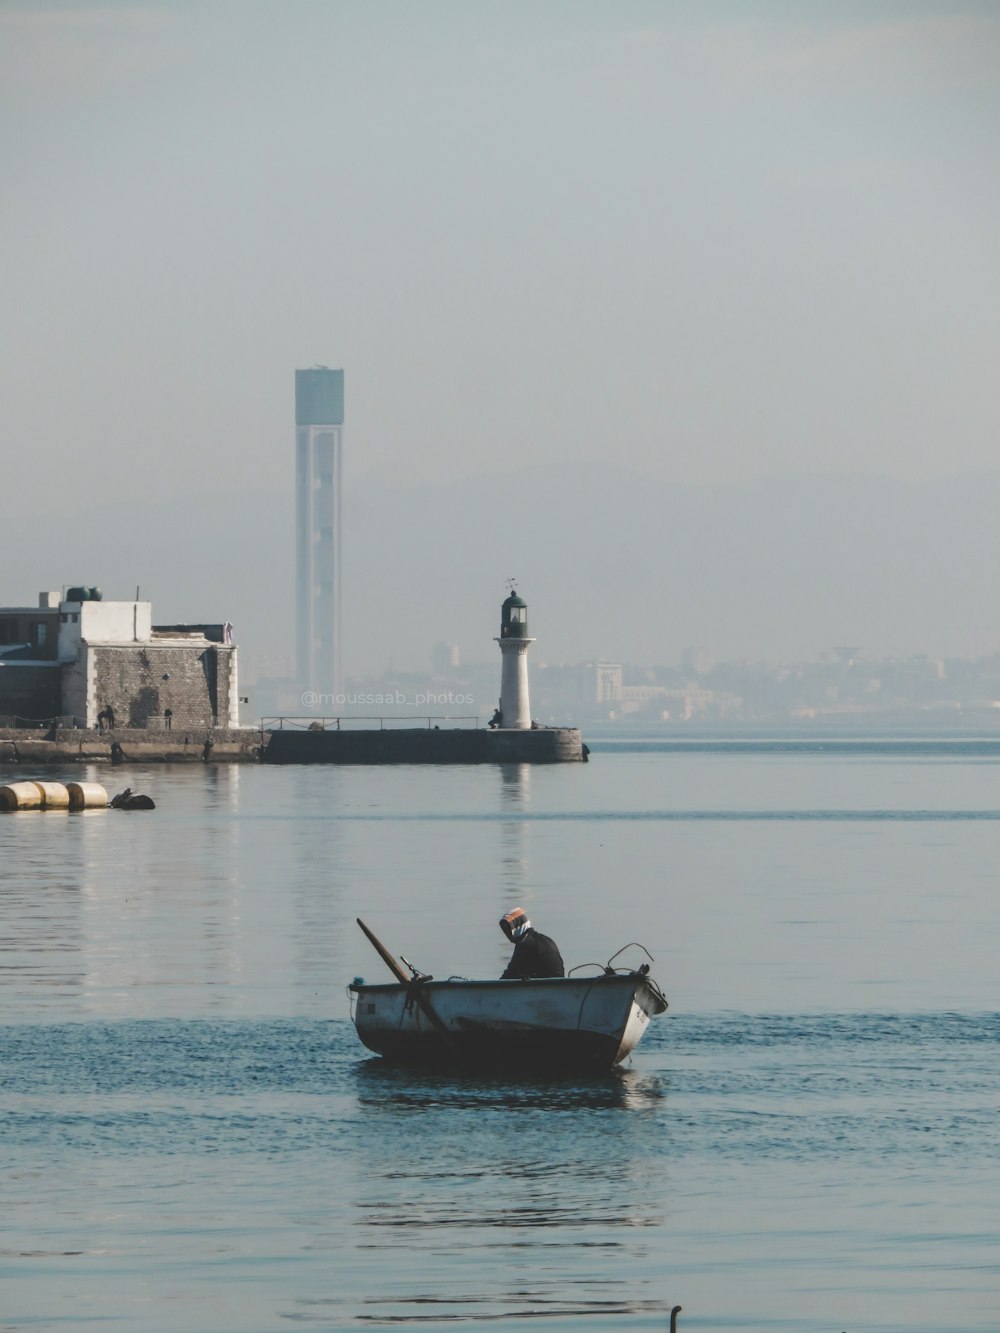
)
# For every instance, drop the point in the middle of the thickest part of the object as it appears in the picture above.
(510, 584)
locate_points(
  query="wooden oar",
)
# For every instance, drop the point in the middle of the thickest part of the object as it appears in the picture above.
(413, 986)
(385, 955)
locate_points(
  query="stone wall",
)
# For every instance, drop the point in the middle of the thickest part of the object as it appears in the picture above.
(140, 682)
(80, 745)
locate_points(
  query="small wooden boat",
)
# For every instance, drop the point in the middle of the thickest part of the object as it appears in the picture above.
(550, 1023)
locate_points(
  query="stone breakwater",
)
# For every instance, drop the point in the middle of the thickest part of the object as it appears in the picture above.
(67, 745)
(473, 745)
(545, 745)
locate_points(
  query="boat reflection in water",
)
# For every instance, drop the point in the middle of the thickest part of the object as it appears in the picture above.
(380, 1083)
(553, 1189)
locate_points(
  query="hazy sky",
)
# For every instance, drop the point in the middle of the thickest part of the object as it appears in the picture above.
(706, 241)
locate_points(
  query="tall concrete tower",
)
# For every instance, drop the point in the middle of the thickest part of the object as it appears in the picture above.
(515, 710)
(319, 421)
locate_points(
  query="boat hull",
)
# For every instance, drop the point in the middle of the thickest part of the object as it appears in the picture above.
(551, 1023)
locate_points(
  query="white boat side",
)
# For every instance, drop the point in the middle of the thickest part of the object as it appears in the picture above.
(593, 1021)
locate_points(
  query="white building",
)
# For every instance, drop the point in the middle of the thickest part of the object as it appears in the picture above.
(608, 683)
(104, 663)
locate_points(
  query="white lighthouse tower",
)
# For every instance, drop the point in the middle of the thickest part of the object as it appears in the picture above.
(515, 711)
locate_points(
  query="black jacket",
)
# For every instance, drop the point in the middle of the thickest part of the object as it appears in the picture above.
(534, 956)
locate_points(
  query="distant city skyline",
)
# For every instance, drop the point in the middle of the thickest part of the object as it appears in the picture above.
(839, 687)
(780, 569)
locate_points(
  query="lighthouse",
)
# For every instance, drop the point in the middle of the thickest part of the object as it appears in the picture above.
(515, 711)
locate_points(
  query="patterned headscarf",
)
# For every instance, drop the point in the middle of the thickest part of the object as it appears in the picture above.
(515, 924)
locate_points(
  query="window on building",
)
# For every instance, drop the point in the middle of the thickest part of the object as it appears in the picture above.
(41, 634)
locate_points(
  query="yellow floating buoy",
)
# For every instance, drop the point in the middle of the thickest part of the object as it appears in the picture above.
(20, 796)
(55, 796)
(86, 796)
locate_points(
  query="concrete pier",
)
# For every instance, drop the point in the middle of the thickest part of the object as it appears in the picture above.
(67, 745)
(410, 745)
(544, 745)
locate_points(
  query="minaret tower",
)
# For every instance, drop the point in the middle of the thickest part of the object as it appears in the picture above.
(319, 425)
(515, 711)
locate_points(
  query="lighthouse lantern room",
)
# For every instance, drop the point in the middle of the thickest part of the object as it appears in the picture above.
(515, 710)
(514, 618)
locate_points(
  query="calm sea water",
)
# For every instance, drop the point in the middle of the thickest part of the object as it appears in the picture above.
(193, 1138)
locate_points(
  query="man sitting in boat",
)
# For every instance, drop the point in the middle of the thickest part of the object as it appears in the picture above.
(535, 955)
